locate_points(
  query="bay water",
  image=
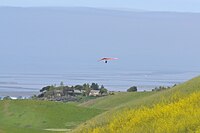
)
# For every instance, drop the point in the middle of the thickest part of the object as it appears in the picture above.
(28, 84)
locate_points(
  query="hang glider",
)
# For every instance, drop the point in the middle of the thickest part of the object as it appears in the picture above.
(107, 59)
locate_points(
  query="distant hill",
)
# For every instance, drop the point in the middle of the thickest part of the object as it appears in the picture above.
(65, 38)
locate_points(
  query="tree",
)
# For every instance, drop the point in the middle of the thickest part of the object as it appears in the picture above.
(132, 89)
(46, 88)
(61, 83)
(51, 88)
(79, 87)
(84, 86)
(103, 91)
(160, 88)
(94, 86)
(33, 97)
(87, 89)
(7, 98)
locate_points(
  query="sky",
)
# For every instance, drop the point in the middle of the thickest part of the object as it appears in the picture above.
(151, 5)
(45, 40)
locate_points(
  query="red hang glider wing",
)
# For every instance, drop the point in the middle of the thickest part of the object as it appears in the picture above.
(106, 59)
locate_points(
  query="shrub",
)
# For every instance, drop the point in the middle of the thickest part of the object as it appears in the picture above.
(132, 89)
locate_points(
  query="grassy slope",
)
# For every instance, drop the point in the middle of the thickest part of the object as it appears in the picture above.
(179, 116)
(22, 116)
(136, 100)
(116, 101)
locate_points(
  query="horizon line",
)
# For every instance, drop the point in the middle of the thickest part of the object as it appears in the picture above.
(100, 8)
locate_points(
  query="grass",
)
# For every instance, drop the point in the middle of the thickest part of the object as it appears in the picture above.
(116, 101)
(147, 100)
(22, 116)
(181, 115)
(29, 116)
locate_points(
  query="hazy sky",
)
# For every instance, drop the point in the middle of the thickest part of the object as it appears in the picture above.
(156, 5)
(42, 39)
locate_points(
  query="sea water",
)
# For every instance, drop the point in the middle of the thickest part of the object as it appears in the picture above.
(28, 84)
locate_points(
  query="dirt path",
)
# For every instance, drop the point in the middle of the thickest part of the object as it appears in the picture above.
(58, 130)
(5, 108)
(1, 131)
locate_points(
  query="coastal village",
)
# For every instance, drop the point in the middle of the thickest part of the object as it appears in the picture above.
(66, 93)
(75, 93)
(71, 93)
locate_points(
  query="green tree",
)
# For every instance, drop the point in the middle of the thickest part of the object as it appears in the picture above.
(79, 87)
(7, 98)
(34, 97)
(84, 86)
(103, 91)
(102, 87)
(94, 86)
(61, 83)
(51, 88)
(132, 89)
(87, 89)
(46, 88)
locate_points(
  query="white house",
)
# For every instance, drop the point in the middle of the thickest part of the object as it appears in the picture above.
(94, 93)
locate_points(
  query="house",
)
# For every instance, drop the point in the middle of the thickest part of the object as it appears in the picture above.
(94, 93)
(58, 93)
(78, 92)
(68, 92)
(22, 97)
(13, 98)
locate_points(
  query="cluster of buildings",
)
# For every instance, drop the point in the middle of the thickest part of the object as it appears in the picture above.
(13, 98)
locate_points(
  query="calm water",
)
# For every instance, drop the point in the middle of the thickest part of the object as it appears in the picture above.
(25, 84)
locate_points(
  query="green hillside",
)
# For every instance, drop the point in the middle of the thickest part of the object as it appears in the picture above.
(28, 116)
(120, 99)
(135, 99)
(121, 102)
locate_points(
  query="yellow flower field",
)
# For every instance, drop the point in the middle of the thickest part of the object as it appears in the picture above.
(178, 116)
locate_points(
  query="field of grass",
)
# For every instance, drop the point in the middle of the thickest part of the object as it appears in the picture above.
(120, 99)
(173, 110)
(131, 112)
(28, 116)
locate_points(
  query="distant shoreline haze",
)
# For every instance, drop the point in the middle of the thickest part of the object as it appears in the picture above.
(153, 5)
